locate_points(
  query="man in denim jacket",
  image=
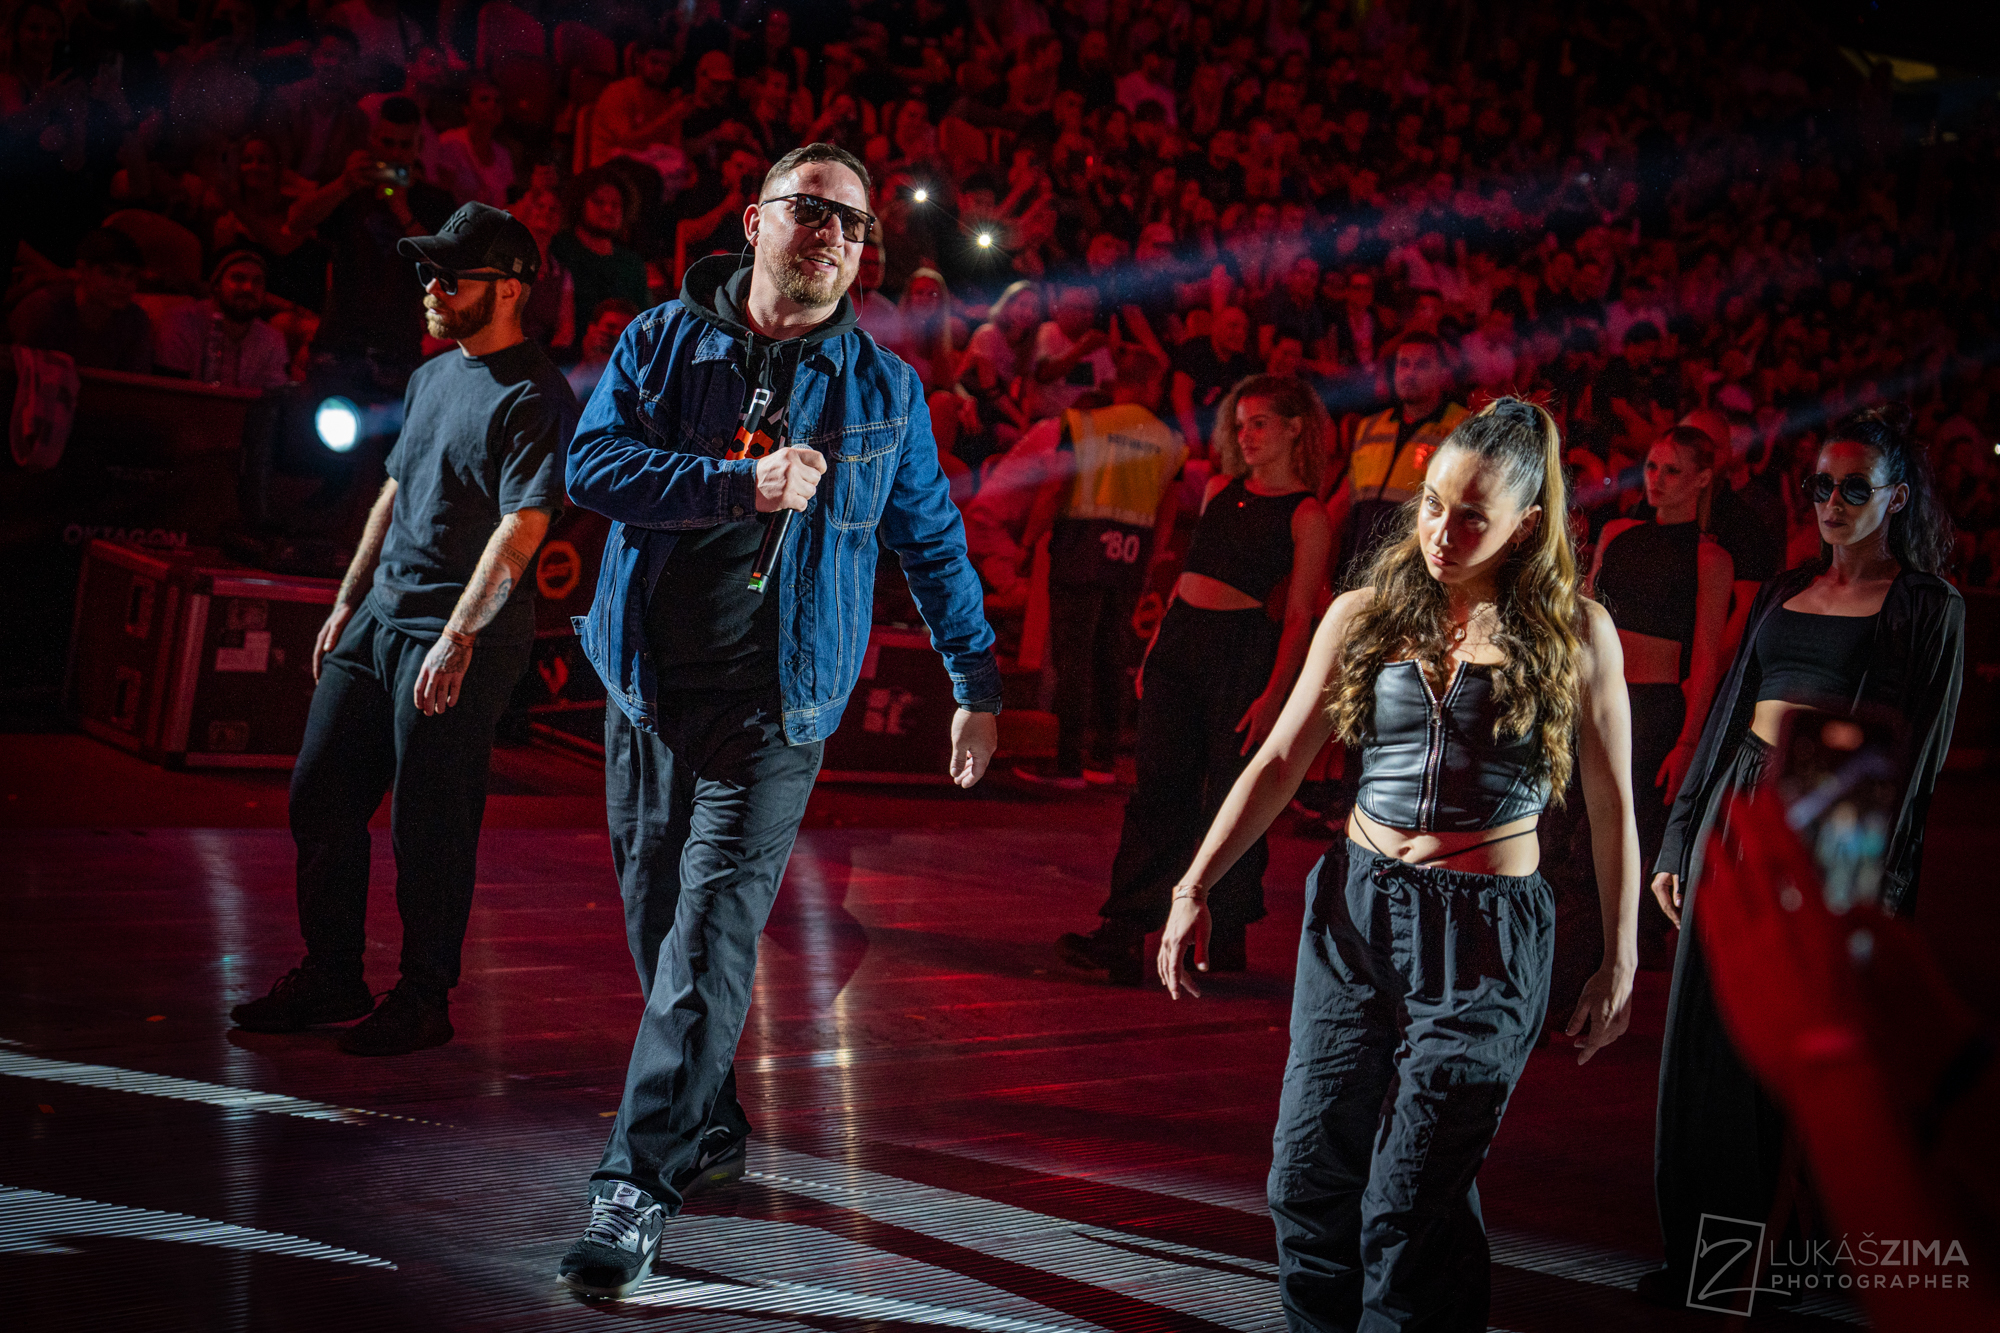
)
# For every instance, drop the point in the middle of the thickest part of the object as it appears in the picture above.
(722, 697)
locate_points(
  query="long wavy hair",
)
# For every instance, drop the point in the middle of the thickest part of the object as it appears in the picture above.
(1540, 685)
(1921, 536)
(1291, 398)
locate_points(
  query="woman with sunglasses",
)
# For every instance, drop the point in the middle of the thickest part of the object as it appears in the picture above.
(1869, 625)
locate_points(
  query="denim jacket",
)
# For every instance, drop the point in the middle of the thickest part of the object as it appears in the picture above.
(648, 454)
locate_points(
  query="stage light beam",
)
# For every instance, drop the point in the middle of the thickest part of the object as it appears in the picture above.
(985, 240)
(922, 195)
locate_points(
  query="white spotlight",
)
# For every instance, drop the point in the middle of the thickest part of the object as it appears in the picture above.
(338, 423)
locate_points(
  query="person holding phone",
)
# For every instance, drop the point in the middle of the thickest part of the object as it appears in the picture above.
(373, 313)
(1869, 624)
(1472, 675)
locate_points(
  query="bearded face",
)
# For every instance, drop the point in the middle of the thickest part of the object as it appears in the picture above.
(465, 322)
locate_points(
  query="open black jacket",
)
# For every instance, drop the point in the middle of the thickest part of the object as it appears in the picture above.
(1915, 666)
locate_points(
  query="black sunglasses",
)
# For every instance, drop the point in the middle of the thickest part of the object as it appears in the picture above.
(810, 211)
(449, 280)
(1853, 488)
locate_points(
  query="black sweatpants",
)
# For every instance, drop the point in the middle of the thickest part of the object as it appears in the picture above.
(1089, 632)
(1205, 670)
(702, 816)
(1657, 714)
(1418, 997)
(365, 736)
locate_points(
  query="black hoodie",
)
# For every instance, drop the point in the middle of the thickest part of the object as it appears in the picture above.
(705, 628)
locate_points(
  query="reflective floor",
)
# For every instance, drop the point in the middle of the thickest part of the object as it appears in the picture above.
(953, 1131)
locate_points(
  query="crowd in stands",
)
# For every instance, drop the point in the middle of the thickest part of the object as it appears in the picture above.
(1630, 211)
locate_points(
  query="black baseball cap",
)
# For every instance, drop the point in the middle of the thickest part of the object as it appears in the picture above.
(479, 236)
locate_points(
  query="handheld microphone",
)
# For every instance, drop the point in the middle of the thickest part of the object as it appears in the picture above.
(767, 550)
(774, 531)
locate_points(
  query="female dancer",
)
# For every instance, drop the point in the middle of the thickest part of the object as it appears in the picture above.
(1867, 625)
(1219, 669)
(1462, 668)
(1666, 585)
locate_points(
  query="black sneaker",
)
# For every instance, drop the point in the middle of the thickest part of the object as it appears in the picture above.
(617, 1249)
(724, 1153)
(1111, 948)
(305, 997)
(405, 1021)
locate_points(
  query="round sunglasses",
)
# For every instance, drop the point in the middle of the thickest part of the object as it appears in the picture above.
(1853, 488)
(448, 280)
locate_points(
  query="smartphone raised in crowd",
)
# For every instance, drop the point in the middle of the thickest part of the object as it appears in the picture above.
(1841, 781)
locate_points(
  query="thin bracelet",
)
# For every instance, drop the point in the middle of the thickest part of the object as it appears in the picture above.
(1195, 894)
(459, 637)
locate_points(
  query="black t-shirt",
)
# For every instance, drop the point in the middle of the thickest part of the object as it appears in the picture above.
(374, 300)
(1213, 377)
(483, 437)
(704, 627)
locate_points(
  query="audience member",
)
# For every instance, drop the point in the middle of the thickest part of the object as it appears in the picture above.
(94, 318)
(600, 266)
(1207, 368)
(374, 304)
(640, 109)
(470, 163)
(315, 122)
(221, 340)
(1072, 354)
(608, 323)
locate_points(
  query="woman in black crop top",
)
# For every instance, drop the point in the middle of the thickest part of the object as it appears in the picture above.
(1867, 624)
(1466, 668)
(1219, 668)
(1667, 586)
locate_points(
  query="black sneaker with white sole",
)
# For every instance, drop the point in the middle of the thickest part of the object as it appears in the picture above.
(616, 1251)
(724, 1152)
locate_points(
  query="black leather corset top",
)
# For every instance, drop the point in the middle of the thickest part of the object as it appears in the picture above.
(1435, 765)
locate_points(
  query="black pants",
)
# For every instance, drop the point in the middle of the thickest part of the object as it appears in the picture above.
(1719, 1145)
(1206, 668)
(1657, 714)
(1419, 994)
(1089, 626)
(702, 818)
(365, 737)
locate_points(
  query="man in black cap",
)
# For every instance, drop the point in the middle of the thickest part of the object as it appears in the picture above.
(427, 638)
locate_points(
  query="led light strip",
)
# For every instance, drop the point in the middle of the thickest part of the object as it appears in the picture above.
(16, 1065)
(32, 1222)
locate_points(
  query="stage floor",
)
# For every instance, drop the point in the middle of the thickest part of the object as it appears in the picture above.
(953, 1131)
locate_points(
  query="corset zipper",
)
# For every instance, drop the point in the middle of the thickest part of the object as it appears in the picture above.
(1427, 791)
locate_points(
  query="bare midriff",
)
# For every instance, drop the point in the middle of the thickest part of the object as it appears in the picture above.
(1650, 659)
(1206, 594)
(1517, 855)
(1767, 724)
